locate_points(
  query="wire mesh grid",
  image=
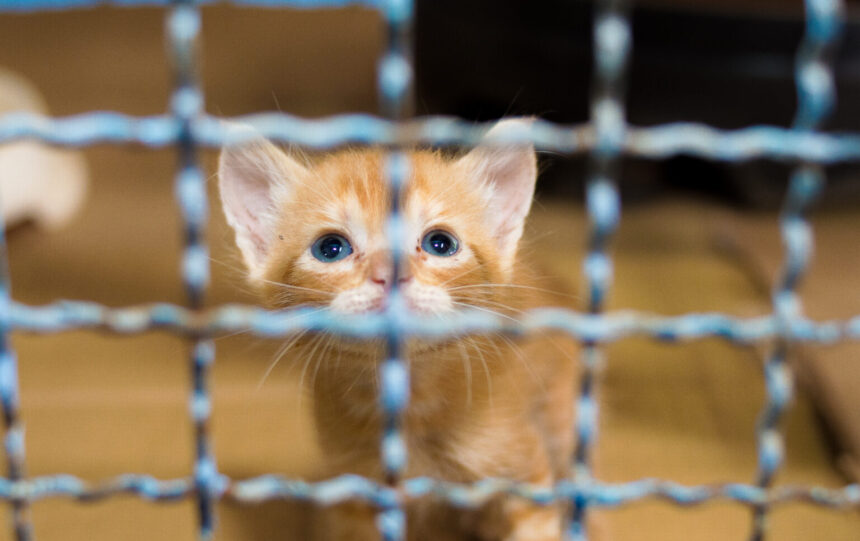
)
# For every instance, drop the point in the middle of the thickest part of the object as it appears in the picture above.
(607, 137)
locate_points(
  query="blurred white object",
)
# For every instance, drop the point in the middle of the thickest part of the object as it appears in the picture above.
(37, 182)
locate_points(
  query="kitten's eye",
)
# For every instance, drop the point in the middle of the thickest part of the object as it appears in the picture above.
(440, 243)
(330, 248)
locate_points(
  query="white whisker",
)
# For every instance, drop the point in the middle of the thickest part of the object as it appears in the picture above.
(489, 380)
(322, 357)
(482, 309)
(278, 355)
(467, 368)
(298, 288)
(515, 286)
(519, 353)
(316, 343)
(234, 333)
(464, 273)
(489, 304)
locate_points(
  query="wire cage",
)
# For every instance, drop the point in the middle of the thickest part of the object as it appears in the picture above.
(606, 139)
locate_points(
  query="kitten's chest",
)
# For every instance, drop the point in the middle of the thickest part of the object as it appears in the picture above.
(455, 411)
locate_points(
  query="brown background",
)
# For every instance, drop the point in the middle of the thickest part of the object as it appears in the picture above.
(96, 406)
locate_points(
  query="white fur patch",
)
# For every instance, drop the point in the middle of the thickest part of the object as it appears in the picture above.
(426, 299)
(367, 297)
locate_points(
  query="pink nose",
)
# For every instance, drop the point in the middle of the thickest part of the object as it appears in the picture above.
(381, 276)
(381, 271)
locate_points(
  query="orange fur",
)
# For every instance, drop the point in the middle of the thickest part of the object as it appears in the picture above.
(481, 406)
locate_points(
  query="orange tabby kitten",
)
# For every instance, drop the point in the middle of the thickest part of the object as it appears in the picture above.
(481, 406)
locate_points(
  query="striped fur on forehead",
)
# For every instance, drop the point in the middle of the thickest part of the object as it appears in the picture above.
(357, 174)
(437, 190)
(349, 188)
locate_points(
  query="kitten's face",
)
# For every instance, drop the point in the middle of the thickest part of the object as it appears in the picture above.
(316, 235)
(332, 237)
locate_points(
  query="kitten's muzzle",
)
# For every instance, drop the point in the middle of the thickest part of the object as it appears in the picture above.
(386, 282)
(381, 271)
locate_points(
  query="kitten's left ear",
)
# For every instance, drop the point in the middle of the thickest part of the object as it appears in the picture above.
(255, 179)
(507, 174)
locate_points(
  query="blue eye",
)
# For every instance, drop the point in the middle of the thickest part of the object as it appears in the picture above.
(440, 243)
(330, 248)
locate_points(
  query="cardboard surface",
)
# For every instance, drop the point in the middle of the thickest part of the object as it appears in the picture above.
(831, 290)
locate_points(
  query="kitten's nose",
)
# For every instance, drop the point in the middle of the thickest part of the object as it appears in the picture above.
(380, 270)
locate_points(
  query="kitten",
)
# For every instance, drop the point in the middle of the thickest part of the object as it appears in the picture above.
(481, 406)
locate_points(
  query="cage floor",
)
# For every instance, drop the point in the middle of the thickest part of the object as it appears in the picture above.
(96, 406)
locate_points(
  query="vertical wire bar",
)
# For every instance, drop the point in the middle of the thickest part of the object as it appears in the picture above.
(395, 77)
(816, 98)
(612, 43)
(183, 28)
(13, 439)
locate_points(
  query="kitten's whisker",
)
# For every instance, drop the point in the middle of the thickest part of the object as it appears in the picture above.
(489, 303)
(358, 377)
(234, 333)
(235, 268)
(519, 353)
(298, 288)
(482, 309)
(464, 273)
(279, 355)
(510, 342)
(239, 270)
(322, 357)
(316, 344)
(284, 296)
(467, 368)
(570, 357)
(515, 286)
(549, 338)
(473, 342)
(363, 368)
(515, 349)
(493, 343)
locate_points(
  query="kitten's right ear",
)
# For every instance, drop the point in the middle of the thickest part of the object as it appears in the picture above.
(255, 178)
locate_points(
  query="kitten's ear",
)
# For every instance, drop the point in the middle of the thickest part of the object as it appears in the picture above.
(255, 178)
(507, 174)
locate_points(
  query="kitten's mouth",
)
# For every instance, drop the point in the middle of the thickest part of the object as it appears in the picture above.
(420, 300)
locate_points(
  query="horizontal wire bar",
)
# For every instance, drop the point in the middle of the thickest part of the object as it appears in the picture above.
(230, 318)
(653, 142)
(56, 5)
(357, 488)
